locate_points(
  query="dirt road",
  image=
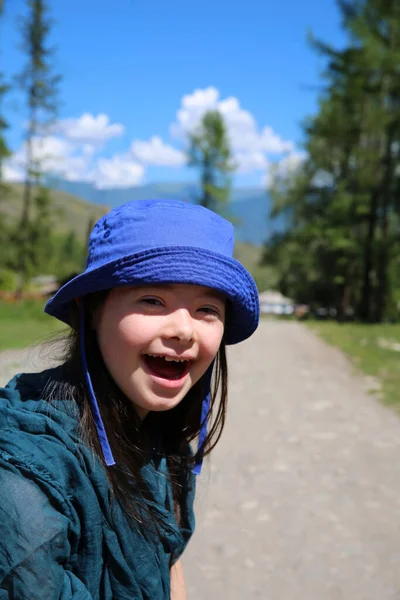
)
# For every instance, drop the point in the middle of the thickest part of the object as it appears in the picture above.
(302, 497)
(302, 500)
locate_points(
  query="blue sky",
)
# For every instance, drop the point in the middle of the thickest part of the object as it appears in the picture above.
(130, 66)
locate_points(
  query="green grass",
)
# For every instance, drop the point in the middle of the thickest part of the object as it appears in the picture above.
(24, 323)
(372, 348)
(68, 211)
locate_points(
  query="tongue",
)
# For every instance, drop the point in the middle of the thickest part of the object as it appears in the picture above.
(163, 368)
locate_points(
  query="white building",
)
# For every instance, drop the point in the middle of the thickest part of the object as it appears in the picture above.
(273, 302)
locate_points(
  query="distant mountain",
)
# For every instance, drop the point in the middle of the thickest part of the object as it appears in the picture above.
(249, 207)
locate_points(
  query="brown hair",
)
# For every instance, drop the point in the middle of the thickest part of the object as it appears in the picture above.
(169, 433)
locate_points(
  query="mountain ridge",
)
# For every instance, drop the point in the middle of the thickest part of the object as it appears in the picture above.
(249, 207)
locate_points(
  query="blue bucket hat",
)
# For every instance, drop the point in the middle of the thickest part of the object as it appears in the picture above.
(162, 241)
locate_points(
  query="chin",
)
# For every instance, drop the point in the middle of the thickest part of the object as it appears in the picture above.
(161, 404)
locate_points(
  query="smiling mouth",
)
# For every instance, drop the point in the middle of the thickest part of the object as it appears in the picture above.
(167, 369)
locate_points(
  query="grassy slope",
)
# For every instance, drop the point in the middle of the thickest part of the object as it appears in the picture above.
(24, 323)
(266, 277)
(248, 255)
(70, 212)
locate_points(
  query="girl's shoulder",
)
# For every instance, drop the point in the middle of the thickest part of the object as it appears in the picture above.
(27, 388)
(27, 406)
(40, 434)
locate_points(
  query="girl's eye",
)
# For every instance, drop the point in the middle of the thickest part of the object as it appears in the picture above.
(208, 310)
(151, 301)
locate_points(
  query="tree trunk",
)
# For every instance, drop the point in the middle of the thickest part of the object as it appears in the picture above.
(22, 234)
(344, 303)
(365, 310)
(27, 199)
(383, 252)
(389, 101)
(206, 181)
(382, 270)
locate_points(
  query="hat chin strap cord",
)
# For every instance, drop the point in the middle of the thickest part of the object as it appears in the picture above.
(205, 413)
(98, 421)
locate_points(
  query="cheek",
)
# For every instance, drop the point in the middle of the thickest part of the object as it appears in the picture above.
(211, 340)
(115, 342)
(126, 333)
(133, 331)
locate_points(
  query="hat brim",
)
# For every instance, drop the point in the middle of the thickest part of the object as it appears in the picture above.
(172, 265)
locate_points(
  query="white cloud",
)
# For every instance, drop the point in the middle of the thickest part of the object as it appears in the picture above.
(193, 107)
(76, 163)
(119, 171)
(250, 144)
(250, 161)
(156, 152)
(273, 144)
(291, 162)
(74, 148)
(50, 153)
(88, 129)
(11, 172)
(72, 151)
(285, 167)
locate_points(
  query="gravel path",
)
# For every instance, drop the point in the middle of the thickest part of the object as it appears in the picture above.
(302, 497)
(29, 360)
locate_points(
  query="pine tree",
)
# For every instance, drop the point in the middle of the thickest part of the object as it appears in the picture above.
(4, 150)
(40, 84)
(210, 151)
(342, 209)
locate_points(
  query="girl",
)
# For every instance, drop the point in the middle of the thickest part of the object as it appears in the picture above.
(97, 470)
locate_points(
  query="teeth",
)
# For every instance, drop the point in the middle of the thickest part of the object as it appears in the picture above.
(178, 360)
(168, 358)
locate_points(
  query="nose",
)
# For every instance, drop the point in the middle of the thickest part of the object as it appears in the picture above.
(180, 326)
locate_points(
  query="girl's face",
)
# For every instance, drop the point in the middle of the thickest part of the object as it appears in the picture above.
(157, 341)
